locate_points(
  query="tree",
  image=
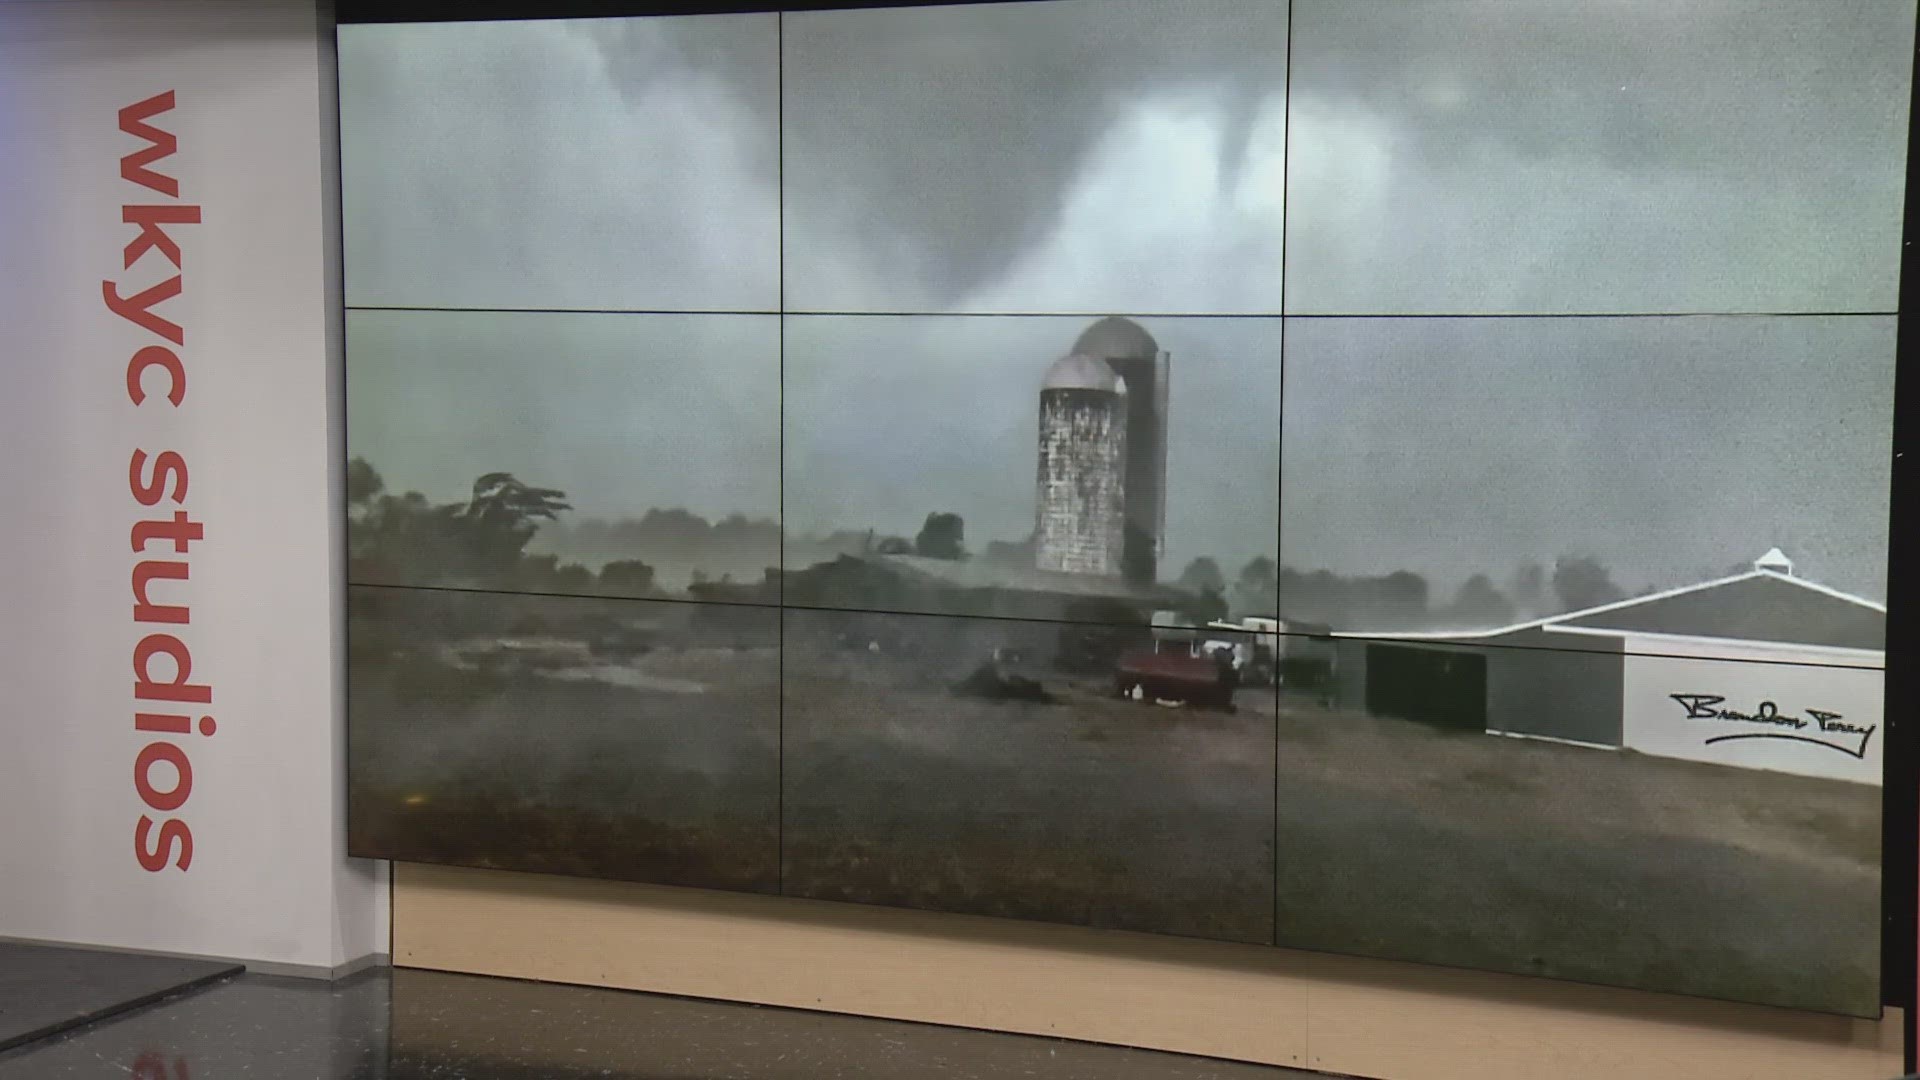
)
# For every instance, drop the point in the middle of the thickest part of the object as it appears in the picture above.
(1583, 582)
(363, 484)
(1392, 601)
(1480, 604)
(1404, 587)
(499, 497)
(396, 538)
(1211, 606)
(570, 579)
(503, 515)
(405, 539)
(942, 537)
(673, 525)
(1257, 592)
(626, 577)
(1202, 575)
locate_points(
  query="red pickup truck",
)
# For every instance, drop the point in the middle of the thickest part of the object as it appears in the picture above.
(1176, 671)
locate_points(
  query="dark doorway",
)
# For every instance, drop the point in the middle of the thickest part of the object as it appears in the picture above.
(1432, 686)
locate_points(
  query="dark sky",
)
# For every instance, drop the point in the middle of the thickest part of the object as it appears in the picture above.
(1095, 156)
(625, 163)
(1670, 448)
(1091, 155)
(1129, 155)
(1086, 156)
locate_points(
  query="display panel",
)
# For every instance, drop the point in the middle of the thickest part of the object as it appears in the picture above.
(1506, 156)
(1398, 479)
(617, 164)
(1147, 491)
(989, 766)
(1563, 846)
(1521, 468)
(629, 739)
(1574, 532)
(1089, 156)
(524, 451)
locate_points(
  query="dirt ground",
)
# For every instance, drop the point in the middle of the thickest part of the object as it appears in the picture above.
(1394, 840)
(1088, 810)
(600, 744)
(1401, 841)
(667, 762)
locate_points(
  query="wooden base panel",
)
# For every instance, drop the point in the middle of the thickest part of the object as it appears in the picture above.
(1343, 1015)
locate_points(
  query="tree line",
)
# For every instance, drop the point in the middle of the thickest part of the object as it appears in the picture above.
(483, 541)
(480, 541)
(1404, 599)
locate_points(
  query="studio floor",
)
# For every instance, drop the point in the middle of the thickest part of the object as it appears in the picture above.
(403, 1025)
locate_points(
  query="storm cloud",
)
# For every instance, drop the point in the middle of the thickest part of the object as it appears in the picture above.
(1089, 156)
(1134, 156)
(624, 164)
(1086, 156)
(1496, 156)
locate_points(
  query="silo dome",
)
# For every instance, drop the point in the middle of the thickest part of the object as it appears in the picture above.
(1080, 371)
(1113, 337)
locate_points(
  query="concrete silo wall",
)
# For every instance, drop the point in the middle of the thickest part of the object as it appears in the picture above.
(1081, 514)
(1145, 379)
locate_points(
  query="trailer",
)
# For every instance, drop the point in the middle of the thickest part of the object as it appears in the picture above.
(1284, 652)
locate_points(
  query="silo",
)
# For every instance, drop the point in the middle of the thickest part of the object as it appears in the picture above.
(1081, 511)
(1137, 358)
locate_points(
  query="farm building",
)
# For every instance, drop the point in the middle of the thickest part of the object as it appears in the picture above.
(1762, 670)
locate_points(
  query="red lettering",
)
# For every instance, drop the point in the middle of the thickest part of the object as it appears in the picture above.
(162, 723)
(151, 479)
(174, 834)
(145, 611)
(138, 308)
(161, 357)
(162, 144)
(182, 530)
(153, 234)
(167, 464)
(153, 754)
(146, 688)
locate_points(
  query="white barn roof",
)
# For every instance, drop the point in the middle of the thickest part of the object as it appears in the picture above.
(1762, 605)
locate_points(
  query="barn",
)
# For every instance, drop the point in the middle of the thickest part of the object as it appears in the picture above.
(1761, 670)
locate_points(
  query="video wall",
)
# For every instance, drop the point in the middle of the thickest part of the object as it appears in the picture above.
(1402, 479)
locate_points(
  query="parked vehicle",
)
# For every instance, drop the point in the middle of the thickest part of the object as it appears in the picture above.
(1182, 671)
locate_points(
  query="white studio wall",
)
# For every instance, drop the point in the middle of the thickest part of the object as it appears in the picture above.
(172, 645)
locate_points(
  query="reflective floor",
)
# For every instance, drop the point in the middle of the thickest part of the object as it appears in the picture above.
(413, 1025)
(46, 989)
